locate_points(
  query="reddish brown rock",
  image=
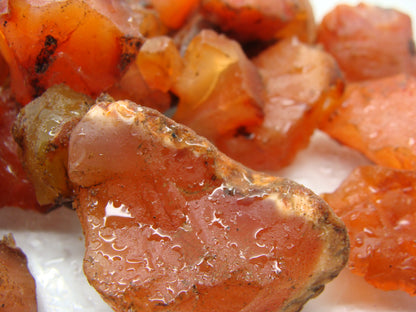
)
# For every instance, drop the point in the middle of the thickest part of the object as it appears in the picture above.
(171, 224)
(17, 286)
(15, 188)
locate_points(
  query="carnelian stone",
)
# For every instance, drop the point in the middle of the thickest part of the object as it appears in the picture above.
(219, 89)
(377, 205)
(368, 41)
(17, 286)
(171, 224)
(84, 44)
(377, 118)
(160, 63)
(264, 20)
(302, 81)
(174, 13)
(15, 188)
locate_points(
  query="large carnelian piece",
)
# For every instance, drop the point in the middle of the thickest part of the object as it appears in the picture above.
(85, 44)
(377, 205)
(15, 188)
(377, 117)
(17, 285)
(171, 224)
(368, 42)
(302, 82)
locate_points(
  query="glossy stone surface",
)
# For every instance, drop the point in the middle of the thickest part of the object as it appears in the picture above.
(376, 117)
(85, 44)
(171, 224)
(301, 83)
(377, 205)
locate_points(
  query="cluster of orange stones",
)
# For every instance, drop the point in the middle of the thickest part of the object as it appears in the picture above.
(256, 79)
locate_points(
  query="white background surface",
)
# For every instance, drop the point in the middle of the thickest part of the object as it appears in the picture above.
(54, 242)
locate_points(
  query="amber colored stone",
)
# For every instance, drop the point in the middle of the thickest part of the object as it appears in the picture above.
(174, 13)
(262, 20)
(171, 224)
(368, 42)
(15, 188)
(133, 86)
(17, 285)
(85, 44)
(377, 118)
(219, 89)
(377, 205)
(160, 63)
(302, 83)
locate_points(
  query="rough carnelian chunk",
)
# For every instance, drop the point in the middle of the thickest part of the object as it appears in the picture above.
(377, 205)
(133, 86)
(219, 89)
(264, 20)
(160, 63)
(368, 41)
(84, 44)
(377, 118)
(301, 82)
(171, 224)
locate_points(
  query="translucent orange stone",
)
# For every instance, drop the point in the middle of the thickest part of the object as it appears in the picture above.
(377, 117)
(301, 83)
(368, 42)
(377, 205)
(174, 13)
(171, 224)
(219, 89)
(85, 44)
(265, 20)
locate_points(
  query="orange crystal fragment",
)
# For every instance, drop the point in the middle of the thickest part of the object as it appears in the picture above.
(264, 20)
(171, 224)
(377, 205)
(369, 42)
(377, 118)
(219, 89)
(84, 44)
(302, 82)
(174, 13)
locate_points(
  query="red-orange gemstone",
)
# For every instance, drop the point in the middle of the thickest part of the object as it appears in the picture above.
(377, 205)
(171, 224)
(377, 118)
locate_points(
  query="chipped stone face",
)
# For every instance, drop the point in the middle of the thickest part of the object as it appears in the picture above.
(171, 224)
